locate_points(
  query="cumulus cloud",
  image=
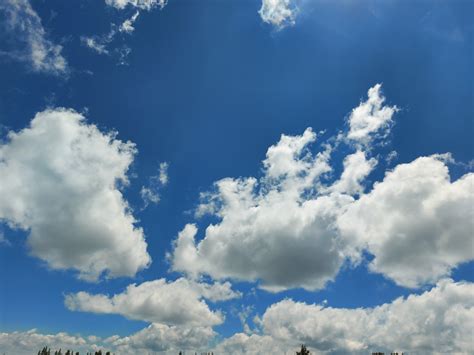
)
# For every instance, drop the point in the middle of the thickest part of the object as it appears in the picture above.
(279, 13)
(439, 320)
(32, 43)
(164, 339)
(156, 337)
(60, 180)
(371, 119)
(252, 344)
(29, 342)
(280, 228)
(416, 222)
(297, 224)
(173, 303)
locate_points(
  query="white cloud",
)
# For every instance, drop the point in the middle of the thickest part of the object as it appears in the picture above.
(371, 119)
(297, 224)
(30, 342)
(24, 24)
(437, 321)
(416, 222)
(151, 192)
(99, 45)
(279, 13)
(252, 344)
(127, 25)
(156, 337)
(356, 168)
(59, 180)
(173, 303)
(164, 339)
(139, 4)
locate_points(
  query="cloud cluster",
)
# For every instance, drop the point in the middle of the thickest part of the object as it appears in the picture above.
(177, 303)
(101, 43)
(34, 47)
(279, 13)
(164, 339)
(60, 180)
(29, 342)
(156, 337)
(439, 320)
(296, 225)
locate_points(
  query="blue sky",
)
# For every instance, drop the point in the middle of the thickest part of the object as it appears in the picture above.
(207, 88)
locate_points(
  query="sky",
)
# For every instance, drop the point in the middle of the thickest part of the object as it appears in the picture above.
(236, 176)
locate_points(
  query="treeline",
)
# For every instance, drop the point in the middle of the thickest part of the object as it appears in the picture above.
(47, 351)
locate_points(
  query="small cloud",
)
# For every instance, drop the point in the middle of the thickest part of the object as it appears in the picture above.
(127, 25)
(151, 193)
(139, 4)
(279, 13)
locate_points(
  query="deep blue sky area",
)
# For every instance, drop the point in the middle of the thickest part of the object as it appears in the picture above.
(208, 88)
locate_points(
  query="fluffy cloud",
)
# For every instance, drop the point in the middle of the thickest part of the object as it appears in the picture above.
(156, 337)
(440, 320)
(279, 13)
(29, 342)
(297, 224)
(371, 119)
(437, 321)
(164, 339)
(253, 344)
(281, 228)
(416, 222)
(173, 303)
(59, 180)
(140, 4)
(24, 24)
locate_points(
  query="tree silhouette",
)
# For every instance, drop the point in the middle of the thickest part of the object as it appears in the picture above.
(303, 351)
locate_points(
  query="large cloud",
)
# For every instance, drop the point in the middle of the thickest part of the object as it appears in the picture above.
(440, 320)
(280, 228)
(154, 338)
(164, 339)
(437, 321)
(59, 179)
(297, 224)
(416, 222)
(32, 43)
(30, 342)
(173, 303)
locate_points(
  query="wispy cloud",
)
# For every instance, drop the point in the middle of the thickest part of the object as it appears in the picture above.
(32, 44)
(150, 193)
